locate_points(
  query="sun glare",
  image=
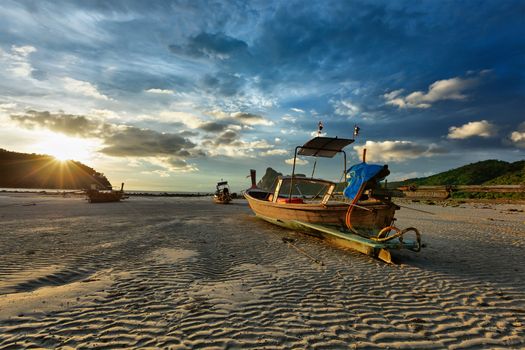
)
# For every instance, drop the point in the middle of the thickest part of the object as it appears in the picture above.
(65, 148)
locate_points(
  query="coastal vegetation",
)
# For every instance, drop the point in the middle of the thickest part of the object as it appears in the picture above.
(487, 172)
(24, 170)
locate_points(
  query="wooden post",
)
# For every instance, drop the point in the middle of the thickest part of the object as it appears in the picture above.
(252, 175)
(364, 155)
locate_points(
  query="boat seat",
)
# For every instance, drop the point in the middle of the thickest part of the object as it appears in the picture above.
(290, 200)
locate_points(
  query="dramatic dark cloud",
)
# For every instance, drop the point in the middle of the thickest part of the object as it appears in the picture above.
(217, 46)
(72, 125)
(119, 140)
(136, 142)
(223, 83)
(226, 138)
(212, 127)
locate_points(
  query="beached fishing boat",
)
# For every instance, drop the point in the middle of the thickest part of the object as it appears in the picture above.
(361, 219)
(95, 195)
(222, 194)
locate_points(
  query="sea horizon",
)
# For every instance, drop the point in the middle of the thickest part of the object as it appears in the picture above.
(56, 190)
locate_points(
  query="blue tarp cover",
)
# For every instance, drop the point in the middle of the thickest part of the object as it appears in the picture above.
(359, 175)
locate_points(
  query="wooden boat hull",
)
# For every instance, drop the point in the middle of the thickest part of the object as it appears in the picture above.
(327, 223)
(219, 200)
(104, 197)
(369, 218)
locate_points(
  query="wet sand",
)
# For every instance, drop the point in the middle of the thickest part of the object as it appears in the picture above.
(184, 273)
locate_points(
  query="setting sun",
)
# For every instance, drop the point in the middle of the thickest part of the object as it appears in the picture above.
(67, 148)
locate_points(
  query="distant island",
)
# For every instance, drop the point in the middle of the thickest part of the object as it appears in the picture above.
(24, 170)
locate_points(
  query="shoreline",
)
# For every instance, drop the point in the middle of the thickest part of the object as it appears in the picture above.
(82, 193)
(442, 202)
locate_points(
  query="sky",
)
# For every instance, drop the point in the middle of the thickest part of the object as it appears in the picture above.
(177, 95)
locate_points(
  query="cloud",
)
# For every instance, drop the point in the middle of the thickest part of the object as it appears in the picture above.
(212, 127)
(448, 89)
(226, 138)
(480, 128)
(169, 149)
(83, 87)
(518, 137)
(17, 61)
(172, 164)
(4, 107)
(251, 119)
(298, 161)
(222, 83)
(289, 118)
(69, 124)
(345, 107)
(274, 152)
(107, 114)
(241, 117)
(161, 91)
(208, 45)
(188, 119)
(230, 144)
(129, 141)
(386, 151)
(297, 110)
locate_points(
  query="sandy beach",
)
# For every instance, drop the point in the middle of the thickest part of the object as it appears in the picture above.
(185, 273)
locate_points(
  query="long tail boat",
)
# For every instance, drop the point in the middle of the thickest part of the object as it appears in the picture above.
(222, 194)
(102, 196)
(362, 219)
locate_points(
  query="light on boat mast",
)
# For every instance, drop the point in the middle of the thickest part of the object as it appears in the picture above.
(356, 130)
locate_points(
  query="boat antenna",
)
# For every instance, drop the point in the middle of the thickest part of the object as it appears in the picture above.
(319, 130)
(356, 130)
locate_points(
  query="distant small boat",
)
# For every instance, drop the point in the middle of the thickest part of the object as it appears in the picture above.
(364, 222)
(222, 194)
(95, 195)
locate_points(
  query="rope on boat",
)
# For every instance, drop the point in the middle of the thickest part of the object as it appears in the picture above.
(348, 216)
(421, 211)
(418, 237)
(383, 235)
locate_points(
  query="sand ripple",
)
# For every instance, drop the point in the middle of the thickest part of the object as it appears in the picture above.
(188, 274)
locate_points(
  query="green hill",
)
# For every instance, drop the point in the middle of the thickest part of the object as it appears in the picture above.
(23, 170)
(487, 172)
(514, 176)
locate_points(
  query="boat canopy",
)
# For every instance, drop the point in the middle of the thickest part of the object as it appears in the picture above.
(324, 146)
(305, 179)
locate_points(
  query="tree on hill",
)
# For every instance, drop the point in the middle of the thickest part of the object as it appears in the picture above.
(23, 170)
(514, 176)
(487, 172)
